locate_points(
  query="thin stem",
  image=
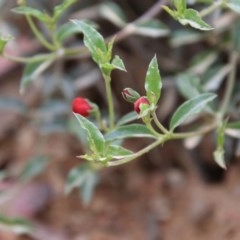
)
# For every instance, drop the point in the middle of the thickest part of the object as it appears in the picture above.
(36, 58)
(39, 34)
(211, 8)
(110, 101)
(158, 124)
(127, 30)
(196, 133)
(154, 132)
(230, 84)
(137, 154)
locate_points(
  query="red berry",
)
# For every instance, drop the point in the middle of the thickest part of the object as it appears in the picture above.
(81, 106)
(137, 104)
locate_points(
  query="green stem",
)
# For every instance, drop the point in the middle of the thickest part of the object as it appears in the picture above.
(107, 79)
(230, 84)
(158, 124)
(36, 58)
(137, 154)
(39, 35)
(211, 8)
(162, 139)
(196, 133)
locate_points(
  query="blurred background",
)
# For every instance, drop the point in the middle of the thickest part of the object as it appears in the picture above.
(174, 191)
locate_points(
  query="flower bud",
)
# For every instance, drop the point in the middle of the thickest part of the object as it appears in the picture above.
(81, 106)
(139, 102)
(130, 95)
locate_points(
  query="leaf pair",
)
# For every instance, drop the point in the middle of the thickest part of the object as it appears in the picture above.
(187, 16)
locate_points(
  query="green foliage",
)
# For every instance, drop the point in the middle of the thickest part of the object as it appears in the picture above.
(219, 152)
(187, 16)
(94, 136)
(190, 108)
(153, 83)
(129, 131)
(85, 178)
(3, 42)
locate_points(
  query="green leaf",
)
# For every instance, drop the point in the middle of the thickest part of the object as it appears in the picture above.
(214, 76)
(95, 138)
(31, 72)
(117, 63)
(219, 152)
(59, 9)
(66, 30)
(233, 5)
(3, 42)
(219, 158)
(118, 152)
(129, 117)
(129, 131)
(16, 225)
(188, 85)
(153, 83)
(29, 11)
(112, 12)
(190, 108)
(93, 40)
(151, 28)
(83, 177)
(191, 17)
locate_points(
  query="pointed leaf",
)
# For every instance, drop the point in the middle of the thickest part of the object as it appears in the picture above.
(95, 138)
(112, 12)
(153, 83)
(129, 131)
(3, 42)
(93, 40)
(190, 108)
(117, 63)
(191, 17)
(219, 158)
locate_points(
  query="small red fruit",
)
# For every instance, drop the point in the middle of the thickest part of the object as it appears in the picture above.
(137, 104)
(81, 106)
